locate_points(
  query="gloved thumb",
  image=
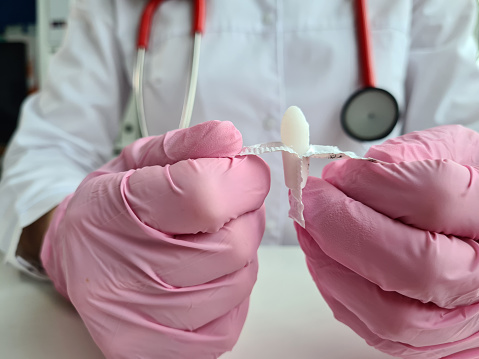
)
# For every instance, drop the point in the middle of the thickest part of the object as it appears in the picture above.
(199, 195)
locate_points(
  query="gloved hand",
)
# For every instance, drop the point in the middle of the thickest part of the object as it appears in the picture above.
(392, 246)
(157, 249)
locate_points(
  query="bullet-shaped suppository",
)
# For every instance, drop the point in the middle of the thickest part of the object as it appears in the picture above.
(295, 134)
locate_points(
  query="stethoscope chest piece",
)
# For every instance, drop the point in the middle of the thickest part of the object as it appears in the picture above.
(370, 114)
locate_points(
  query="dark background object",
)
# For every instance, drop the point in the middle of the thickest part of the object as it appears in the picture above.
(20, 12)
(13, 86)
(12, 65)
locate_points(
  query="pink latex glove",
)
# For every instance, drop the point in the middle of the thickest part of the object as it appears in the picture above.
(157, 249)
(392, 247)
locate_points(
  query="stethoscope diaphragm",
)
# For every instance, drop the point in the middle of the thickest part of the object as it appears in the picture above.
(370, 114)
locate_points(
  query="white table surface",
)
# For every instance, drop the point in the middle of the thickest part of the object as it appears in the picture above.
(287, 318)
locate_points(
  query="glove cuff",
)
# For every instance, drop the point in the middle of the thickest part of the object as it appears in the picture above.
(51, 256)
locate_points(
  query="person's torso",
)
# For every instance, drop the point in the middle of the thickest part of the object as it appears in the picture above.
(259, 57)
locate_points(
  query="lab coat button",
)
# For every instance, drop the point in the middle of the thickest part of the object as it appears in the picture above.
(268, 18)
(270, 124)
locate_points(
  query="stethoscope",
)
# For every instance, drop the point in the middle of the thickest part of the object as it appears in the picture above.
(369, 114)
(142, 46)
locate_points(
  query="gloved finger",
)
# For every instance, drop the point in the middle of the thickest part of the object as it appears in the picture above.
(388, 314)
(208, 256)
(144, 320)
(191, 260)
(399, 324)
(135, 338)
(419, 264)
(435, 195)
(197, 196)
(454, 142)
(210, 139)
(134, 285)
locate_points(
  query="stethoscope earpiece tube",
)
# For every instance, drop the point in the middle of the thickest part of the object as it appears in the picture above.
(138, 91)
(369, 114)
(192, 84)
(145, 23)
(142, 46)
(365, 46)
(199, 18)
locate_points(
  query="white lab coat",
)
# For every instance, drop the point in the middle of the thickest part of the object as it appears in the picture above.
(258, 57)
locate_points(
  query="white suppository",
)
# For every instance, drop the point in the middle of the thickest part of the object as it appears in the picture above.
(295, 134)
(296, 154)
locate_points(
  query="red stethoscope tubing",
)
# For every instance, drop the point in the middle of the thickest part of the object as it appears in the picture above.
(364, 44)
(144, 31)
(353, 112)
(150, 10)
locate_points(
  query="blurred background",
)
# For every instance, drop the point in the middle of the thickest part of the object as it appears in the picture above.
(30, 32)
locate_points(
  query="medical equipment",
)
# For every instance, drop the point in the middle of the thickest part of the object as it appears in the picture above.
(369, 114)
(142, 46)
